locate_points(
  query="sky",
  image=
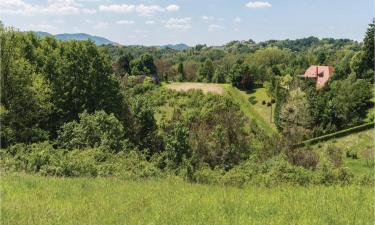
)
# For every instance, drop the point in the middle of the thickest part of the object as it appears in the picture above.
(211, 22)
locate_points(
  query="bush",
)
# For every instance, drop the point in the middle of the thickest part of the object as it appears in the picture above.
(263, 102)
(205, 175)
(93, 130)
(327, 174)
(42, 158)
(334, 155)
(304, 157)
(350, 153)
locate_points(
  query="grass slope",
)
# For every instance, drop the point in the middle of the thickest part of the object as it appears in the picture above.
(40, 200)
(260, 113)
(357, 142)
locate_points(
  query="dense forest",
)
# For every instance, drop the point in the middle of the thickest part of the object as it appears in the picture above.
(71, 108)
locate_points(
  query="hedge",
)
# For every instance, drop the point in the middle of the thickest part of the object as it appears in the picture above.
(340, 133)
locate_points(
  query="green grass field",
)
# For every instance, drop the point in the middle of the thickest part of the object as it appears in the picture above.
(259, 112)
(27, 199)
(357, 142)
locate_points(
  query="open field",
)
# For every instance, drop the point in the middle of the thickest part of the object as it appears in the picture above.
(185, 86)
(357, 142)
(39, 200)
(259, 112)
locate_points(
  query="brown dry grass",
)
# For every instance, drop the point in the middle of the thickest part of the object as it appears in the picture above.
(215, 88)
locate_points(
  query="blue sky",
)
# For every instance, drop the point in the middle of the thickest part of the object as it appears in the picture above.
(212, 22)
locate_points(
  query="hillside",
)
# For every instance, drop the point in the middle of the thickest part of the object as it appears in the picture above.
(179, 47)
(254, 110)
(358, 151)
(79, 37)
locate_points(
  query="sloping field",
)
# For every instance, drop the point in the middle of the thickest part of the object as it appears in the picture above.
(46, 200)
(258, 112)
(215, 88)
(362, 144)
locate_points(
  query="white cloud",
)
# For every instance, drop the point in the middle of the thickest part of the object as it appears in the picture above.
(149, 22)
(237, 19)
(148, 10)
(178, 23)
(88, 21)
(89, 11)
(123, 8)
(211, 18)
(101, 25)
(257, 5)
(141, 9)
(53, 7)
(236, 29)
(125, 22)
(208, 18)
(172, 8)
(213, 27)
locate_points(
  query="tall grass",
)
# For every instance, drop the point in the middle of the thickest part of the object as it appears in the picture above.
(29, 199)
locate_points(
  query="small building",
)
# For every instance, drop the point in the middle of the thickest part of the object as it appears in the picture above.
(321, 74)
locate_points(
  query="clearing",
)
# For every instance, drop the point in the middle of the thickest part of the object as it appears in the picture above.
(254, 110)
(205, 87)
(38, 200)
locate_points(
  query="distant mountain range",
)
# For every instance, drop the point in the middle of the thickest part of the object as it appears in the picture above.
(101, 40)
(79, 37)
(181, 46)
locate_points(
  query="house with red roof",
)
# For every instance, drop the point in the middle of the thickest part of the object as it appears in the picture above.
(321, 74)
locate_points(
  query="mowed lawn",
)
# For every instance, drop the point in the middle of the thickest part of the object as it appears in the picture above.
(359, 143)
(27, 199)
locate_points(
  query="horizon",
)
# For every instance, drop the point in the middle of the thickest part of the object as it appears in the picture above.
(213, 22)
(182, 43)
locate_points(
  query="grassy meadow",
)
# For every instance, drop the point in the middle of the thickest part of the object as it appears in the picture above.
(37, 200)
(259, 112)
(358, 143)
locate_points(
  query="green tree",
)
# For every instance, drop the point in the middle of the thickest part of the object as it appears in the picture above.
(122, 66)
(144, 65)
(25, 94)
(177, 144)
(206, 71)
(91, 131)
(219, 76)
(180, 72)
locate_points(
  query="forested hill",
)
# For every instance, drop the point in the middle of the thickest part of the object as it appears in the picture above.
(79, 37)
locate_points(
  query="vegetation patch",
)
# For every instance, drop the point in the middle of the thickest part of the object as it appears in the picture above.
(45, 200)
(214, 88)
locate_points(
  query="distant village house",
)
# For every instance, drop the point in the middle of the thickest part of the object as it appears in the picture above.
(321, 74)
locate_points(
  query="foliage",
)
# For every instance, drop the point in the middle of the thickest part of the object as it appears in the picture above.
(92, 131)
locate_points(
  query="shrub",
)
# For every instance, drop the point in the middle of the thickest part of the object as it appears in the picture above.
(280, 171)
(263, 102)
(205, 175)
(273, 101)
(304, 157)
(93, 130)
(334, 155)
